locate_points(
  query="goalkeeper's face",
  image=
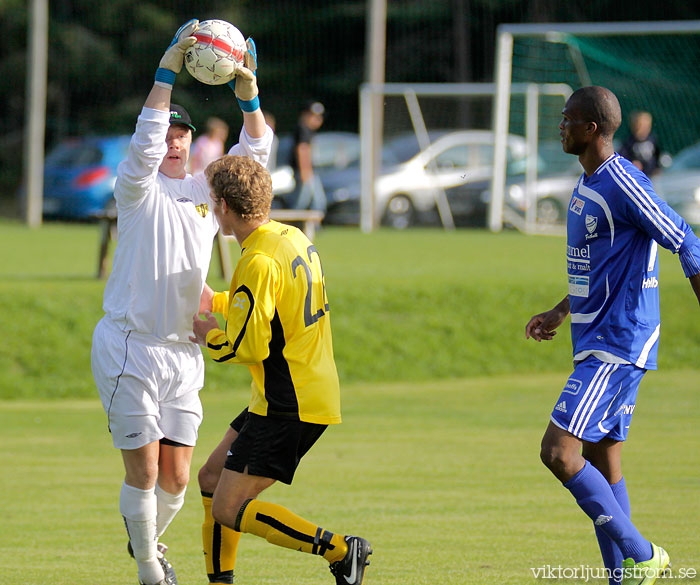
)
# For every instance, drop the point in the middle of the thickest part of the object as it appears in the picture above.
(178, 140)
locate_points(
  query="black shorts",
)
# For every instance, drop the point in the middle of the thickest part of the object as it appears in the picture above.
(270, 447)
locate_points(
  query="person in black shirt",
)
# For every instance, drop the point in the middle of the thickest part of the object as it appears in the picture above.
(308, 192)
(641, 147)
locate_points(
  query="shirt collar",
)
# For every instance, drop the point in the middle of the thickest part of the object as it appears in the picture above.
(258, 232)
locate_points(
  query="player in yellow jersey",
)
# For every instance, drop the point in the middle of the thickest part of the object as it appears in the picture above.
(278, 324)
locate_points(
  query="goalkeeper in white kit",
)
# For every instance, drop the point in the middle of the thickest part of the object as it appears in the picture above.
(146, 369)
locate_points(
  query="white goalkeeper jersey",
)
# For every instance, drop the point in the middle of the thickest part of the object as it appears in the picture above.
(166, 229)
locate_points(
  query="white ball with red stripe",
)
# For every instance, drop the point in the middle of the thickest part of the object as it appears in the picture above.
(218, 52)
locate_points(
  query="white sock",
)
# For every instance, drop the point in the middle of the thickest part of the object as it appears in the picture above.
(168, 506)
(139, 509)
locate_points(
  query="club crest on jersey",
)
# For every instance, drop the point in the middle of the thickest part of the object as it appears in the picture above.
(202, 209)
(591, 225)
(577, 205)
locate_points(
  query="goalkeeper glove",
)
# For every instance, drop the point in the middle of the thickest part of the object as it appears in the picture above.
(245, 85)
(171, 62)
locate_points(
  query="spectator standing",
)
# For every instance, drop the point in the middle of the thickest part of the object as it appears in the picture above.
(641, 147)
(308, 192)
(209, 146)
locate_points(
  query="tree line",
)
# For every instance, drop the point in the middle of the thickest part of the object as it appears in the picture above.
(103, 55)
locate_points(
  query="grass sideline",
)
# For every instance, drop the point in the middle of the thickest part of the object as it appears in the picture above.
(414, 305)
(443, 477)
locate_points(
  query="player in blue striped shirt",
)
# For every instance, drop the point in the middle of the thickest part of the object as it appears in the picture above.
(615, 224)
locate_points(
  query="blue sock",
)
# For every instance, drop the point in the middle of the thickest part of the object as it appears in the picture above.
(595, 497)
(612, 557)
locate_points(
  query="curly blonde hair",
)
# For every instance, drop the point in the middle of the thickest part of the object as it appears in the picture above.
(244, 184)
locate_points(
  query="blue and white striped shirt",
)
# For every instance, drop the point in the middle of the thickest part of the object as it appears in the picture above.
(614, 226)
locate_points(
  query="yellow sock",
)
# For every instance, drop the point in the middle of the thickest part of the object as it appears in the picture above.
(220, 546)
(279, 526)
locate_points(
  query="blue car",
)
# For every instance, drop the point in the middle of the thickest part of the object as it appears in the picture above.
(79, 176)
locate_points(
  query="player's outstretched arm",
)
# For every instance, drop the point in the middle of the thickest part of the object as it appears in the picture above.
(170, 65)
(542, 326)
(245, 86)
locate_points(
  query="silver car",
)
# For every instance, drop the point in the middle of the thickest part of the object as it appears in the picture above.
(679, 184)
(408, 187)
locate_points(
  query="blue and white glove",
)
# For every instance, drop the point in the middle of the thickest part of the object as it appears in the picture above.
(171, 62)
(245, 85)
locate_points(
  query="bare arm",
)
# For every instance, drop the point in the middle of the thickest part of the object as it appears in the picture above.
(695, 283)
(159, 98)
(206, 299)
(254, 123)
(304, 159)
(543, 325)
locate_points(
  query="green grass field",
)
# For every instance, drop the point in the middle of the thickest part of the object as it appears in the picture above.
(444, 404)
(444, 478)
(412, 306)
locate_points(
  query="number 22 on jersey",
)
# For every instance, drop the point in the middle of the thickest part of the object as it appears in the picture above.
(314, 298)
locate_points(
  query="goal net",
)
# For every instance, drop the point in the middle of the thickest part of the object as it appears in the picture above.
(399, 121)
(427, 151)
(651, 66)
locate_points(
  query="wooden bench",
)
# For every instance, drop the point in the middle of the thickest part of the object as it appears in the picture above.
(108, 232)
(307, 219)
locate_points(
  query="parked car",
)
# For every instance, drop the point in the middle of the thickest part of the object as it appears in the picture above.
(469, 201)
(406, 191)
(79, 176)
(330, 151)
(552, 196)
(679, 184)
(557, 173)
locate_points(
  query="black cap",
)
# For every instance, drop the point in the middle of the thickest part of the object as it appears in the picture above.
(179, 115)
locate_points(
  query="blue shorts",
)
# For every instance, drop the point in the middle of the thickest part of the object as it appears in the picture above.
(598, 400)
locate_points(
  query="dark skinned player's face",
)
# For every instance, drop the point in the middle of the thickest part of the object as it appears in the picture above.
(572, 129)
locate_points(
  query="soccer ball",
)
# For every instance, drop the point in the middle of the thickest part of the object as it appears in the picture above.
(218, 52)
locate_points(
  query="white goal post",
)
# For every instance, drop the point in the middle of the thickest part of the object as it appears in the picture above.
(569, 36)
(371, 142)
(370, 147)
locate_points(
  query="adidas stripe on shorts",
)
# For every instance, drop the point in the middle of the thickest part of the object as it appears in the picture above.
(598, 400)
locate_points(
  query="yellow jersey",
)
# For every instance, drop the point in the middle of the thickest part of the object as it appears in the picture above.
(278, 324)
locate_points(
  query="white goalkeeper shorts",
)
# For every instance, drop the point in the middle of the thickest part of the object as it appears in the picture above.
(149, 389)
